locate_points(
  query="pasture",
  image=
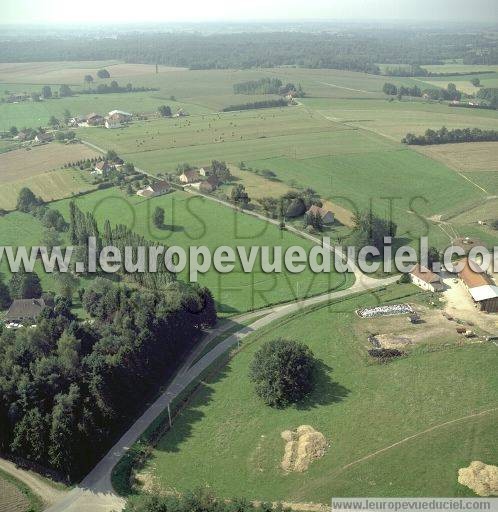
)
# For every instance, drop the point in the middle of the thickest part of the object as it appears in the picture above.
(410, 181)
(194, 221)
(227, 439)
(394, 119)
(205, 136)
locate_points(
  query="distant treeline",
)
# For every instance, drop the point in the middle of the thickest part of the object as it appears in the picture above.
(256, 105)
(416, 70)
(268, 85)
(449, 94)
(357, 50)
(486, 55)
(445, 136)
(114, 87)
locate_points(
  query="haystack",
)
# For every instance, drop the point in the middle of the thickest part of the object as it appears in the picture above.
(303, 446)
(481, 478)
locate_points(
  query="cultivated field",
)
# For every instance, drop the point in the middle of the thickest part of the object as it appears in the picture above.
(397, 429)
(470, 156)
(28, 162)
(72, 73)
(50, 186)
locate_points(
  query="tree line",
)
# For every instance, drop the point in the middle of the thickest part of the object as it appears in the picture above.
(114, 87)
(268, 85)
(451, 93)
(359, 51)
(445, 136)
(256, 105)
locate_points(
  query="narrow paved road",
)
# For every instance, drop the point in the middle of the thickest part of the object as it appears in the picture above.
(95, 492)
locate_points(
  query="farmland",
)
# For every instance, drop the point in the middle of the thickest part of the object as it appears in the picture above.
(195, 221)
(38, 168)
(359, 406)
(27, 162)
(16, 496)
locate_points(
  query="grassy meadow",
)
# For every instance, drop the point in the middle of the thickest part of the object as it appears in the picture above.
(195, 221)
(227, 439)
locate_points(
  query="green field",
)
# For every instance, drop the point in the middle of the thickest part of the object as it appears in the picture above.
(195, 221)
(360, 180)
(227, 439)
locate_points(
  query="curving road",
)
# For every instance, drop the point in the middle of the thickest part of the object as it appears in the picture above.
(95, 492)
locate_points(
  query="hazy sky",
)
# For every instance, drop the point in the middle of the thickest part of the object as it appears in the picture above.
(112, 11)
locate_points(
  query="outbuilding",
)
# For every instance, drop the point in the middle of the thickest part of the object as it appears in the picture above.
(426, 279)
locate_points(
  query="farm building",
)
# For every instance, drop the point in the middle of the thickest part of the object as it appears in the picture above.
(326, 215)
(125, 116)
(158, 188)
(24, 310)
(44, 137)
(426, 279)
(481, 287)
(190, 176)
(94, 119)
(114, 121)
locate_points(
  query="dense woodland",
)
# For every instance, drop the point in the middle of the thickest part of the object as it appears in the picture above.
(355, 49)
(68, 388)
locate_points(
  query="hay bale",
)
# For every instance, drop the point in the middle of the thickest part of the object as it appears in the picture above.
(481, 478)
(303, 446)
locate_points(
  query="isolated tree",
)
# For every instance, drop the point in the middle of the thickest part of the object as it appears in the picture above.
(50, 239)
(433, 256)
(239, 196)
(111, 155)
(13, 131)
(158, 217)
(164, 110)
(53, 122)
(67, 284)
(88, 79)
(46, 92)
(5, 298)
(283, 372)
(65, 91)
(25, 285)
(27, 201)
(103, 73)
(476, 82)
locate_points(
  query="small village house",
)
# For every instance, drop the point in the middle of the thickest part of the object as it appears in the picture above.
(102, 167)
(44, 137)
(189, 176)
(426, 279)
(158, 188)
(205, 171)
(480, 286)
(326, 215)
(24, 311)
